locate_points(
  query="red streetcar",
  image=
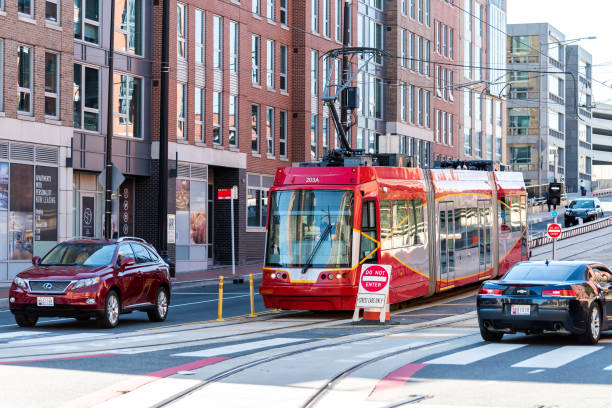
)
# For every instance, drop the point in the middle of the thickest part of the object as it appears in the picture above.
(437, 228)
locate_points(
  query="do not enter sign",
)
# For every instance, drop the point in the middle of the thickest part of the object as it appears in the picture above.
(374, 278)
(554, 230)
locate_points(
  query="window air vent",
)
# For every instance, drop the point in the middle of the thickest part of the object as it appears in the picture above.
(182, 171)
(4, 151)
(199, 173)
(47, 155)
(22, 152)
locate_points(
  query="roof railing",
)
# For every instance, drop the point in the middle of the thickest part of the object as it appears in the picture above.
(121, 239)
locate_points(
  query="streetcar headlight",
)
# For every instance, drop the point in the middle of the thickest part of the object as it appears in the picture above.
(338, 276)
(330, 276)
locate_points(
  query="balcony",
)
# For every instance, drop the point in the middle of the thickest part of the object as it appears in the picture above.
(585, 145)
(585, 113)
(556, 134)
(555, 63)
(556, 98)
(584, 81)
(522, 59)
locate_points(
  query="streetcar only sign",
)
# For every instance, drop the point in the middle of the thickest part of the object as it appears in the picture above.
(374, 286)
(554, 230)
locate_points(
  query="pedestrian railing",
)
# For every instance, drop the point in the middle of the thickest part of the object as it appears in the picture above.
(537, 241)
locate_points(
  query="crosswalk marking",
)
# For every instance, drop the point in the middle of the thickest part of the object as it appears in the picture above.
(558, 357)
(54, 339)
(220, 351)
(386, 350)
(475, 354)
(10, 335)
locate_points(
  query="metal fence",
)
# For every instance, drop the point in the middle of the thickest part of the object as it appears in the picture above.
(571, 232)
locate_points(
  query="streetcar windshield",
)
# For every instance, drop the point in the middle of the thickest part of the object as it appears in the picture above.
(300, 219)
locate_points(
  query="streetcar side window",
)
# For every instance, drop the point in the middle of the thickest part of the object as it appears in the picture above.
(369, 239)
(401, 224)
(385, 224)
(460, 229)
(472, 228)
(417, 226)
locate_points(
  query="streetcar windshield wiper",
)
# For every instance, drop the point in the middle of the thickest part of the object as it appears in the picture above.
(322, 238)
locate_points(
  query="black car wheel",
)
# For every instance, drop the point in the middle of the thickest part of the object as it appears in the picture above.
(489, 335)
(160, 311)
(593, 326)
(112, 308)
(26, 320)
(568, 224)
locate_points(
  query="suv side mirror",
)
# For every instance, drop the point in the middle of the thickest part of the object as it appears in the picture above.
(598, 206)
(35, 260)
(127, 261)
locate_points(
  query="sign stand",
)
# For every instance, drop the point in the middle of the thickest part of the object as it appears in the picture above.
(373, 291)
(554, 231)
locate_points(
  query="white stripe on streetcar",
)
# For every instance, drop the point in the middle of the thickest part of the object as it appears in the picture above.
(10, 335)
(220, 351)
(558, 357)
(475, 354)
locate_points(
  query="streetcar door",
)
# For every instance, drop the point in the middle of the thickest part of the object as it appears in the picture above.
(447, 244)
(484, 237)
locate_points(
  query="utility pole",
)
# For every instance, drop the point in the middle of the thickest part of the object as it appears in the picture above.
(163, 132)
(345, 73)
(108, 203)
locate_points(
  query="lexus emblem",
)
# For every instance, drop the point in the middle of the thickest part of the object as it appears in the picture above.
(47, 285)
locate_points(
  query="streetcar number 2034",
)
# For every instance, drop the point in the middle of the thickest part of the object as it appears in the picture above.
(312, 179)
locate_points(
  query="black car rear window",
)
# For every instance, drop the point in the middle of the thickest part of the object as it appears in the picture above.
(545, 273)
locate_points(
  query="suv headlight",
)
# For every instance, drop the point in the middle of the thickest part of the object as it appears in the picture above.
(83, 283)
(20, 282)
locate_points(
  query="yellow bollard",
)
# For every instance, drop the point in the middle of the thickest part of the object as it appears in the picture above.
(252, 296)
(220, 318)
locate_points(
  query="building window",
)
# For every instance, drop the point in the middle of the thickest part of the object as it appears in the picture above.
(411, 104)
(450, 86)
(445, 41)
(216, 118)
(127, 106)
(378, 101)
(181, 30)
(257, 199)
(25, 7)
(217, 42)
(233, 43)
(198, 114)
(233, 120)
(428, 57)
(269, 130)
(86, 20)
(450, 43)
(200, 35)
(412, 9)
(403, 47)
(51, 84)
(338, 20)
(270, 63)
(270, 9)
(255, 7)
(51, 10)
(439, 37)
(255, 55)
(412, 44)
(315, 16)
(24, 75)
(420, 11)
(283, 67)
(326, 18)
(255, 128)
(402, 90)
(283, 12)
(450, 129)
(314, 136)
(427, 108)
(421, 107)
(421, 56)
(282, 131)
(181, 110)
(86, 98)
(128, 26)
(1, 71)
(438, 115)
(314, 73)
(427, 12)
(325, 135)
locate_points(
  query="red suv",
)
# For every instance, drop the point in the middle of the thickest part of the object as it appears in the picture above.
(93, 278)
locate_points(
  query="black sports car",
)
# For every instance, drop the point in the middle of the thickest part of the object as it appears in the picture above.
(589, 209)
(547, 297)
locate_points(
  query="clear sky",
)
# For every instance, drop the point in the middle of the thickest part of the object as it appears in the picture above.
(575, 19)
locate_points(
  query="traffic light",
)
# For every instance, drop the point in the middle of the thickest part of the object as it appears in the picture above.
(554, 191)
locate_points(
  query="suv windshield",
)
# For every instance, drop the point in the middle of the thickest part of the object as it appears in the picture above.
(80, 254)
(582, 204)
(310, 225)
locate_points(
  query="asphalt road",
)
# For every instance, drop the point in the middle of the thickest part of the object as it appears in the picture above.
(540, 227)
(432, 356)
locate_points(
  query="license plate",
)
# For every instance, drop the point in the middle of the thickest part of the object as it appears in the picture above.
(520, 310)
(44, 301)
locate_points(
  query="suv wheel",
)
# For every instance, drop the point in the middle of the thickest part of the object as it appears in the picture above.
(112, 307)
(160, 311)
(26, 320)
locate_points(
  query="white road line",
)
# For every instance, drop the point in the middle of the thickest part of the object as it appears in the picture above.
(48, 339)
(558, 357)
(221, 351)
(609, 368)
(383, 351)
(208, 301)
(40, 322)
(24, 333)
(475, 354)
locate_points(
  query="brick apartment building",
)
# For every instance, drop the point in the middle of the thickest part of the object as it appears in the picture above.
(36, 57)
